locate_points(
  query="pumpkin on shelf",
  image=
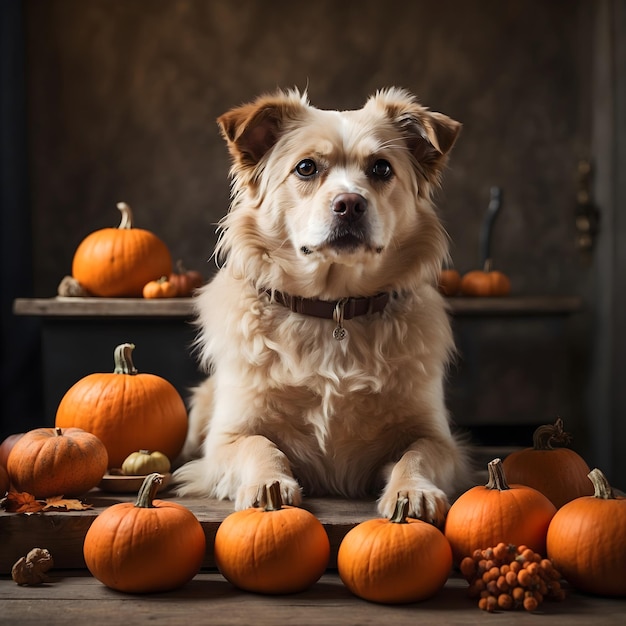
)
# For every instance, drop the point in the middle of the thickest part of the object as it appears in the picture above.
(273, 548)
(5, 483)
(127, 410)
(160, 288)
(486, 282)
(118, 262)
(449, 281)
(145, 462)
(6, 446)
(186, 281)
(394, 560)
(587, 543)
(495, 513)
(549, 466)
(49, 462)
(147, 546)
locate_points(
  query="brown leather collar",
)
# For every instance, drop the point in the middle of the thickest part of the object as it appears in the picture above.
(351, 307)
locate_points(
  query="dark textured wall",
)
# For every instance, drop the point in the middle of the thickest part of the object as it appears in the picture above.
(123, 96)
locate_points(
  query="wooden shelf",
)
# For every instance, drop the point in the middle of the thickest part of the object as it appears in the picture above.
(183, 307)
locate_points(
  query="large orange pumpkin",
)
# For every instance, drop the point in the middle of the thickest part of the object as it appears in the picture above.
(127, 410)
(273, 548)
(488, 515)
(49, 462)
(558, 472)
(394, 560)
(587, 540)
(118, 262)
(146, 546)
(4, 481)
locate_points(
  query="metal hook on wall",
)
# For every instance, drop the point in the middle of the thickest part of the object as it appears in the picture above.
(587, 215)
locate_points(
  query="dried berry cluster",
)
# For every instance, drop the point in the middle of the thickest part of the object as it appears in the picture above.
(509, 577)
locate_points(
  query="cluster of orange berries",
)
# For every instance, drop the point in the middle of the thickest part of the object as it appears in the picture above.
(509, 577)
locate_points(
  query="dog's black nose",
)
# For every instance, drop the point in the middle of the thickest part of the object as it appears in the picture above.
(349, 206)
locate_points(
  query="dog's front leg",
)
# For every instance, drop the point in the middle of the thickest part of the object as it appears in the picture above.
(425, 472)
(248, 464)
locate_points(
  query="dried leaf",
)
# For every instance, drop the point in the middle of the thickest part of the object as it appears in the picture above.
(59, 502)
(21, 502)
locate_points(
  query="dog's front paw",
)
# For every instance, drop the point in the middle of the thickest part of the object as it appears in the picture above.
(253, 495)
(426, 502)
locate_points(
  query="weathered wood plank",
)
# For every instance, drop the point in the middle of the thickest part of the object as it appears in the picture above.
(208, 598)
(63, 533)
(183, 307)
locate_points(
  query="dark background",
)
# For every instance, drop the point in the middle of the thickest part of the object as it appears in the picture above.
(108, 100)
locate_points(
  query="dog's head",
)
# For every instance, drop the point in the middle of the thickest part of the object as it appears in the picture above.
(335, 203)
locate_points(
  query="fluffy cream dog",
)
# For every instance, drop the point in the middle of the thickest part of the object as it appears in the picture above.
(324, 334)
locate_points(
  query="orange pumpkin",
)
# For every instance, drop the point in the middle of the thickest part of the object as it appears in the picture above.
(118, 262)
(449, 282)
(558, 472)
(394, 560)
(127, 410)
(49, 462)
(6, 446)
(496, 513)
(587, 540)
(161, 288)
(147, 546)
(4, 481)
(486, 282)
(186, 281)
(273, 548)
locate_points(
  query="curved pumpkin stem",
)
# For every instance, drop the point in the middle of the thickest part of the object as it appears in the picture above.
(127, 216)
(401, 511)
(601, 486)
(550, 436)
(124, 360)
(497, 479)
(271, 500)
(148, 490)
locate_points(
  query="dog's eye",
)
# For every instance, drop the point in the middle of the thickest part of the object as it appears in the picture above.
(306, 168)
(382, 169)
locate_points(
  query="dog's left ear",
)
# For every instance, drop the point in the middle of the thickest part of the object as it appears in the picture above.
(252, 129)
(429, 135)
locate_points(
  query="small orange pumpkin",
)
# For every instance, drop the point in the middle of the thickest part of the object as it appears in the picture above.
(147, 546)
(6, 446)
(161, 288)
(394, 560)
(586, 540)
(126, 410)
(488, 515)
(118, 262)
(486, 282)
(449, 282)
(186, 281)
(273, 548)
(4, 481)
(558, 472)
(49, 462)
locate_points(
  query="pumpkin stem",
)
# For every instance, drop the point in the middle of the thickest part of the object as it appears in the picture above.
(401, 511)
(497, 479)
(601, 486)
(124, 360)
(127, 216)
(148, 490)
(549, 436)
(487, 266)
(271, 497)
(58, 431)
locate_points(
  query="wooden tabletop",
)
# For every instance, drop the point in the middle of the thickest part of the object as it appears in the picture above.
(183, 307)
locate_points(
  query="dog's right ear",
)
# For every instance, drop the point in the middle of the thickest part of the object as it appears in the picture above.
(252, 129)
